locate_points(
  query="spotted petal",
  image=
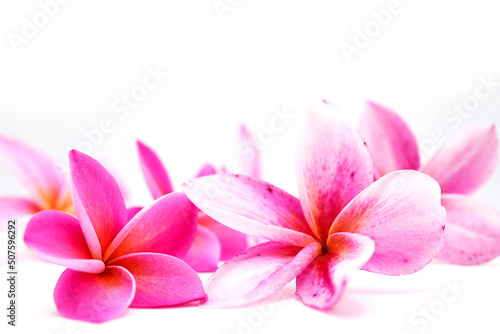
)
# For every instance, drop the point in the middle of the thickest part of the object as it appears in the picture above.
(258, 273)
(251, 206)
(333, 166)
(402, 213)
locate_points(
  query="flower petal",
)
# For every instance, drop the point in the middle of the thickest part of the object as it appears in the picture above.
(321, 284)
(168, 226)
(38, 172)
(92, 297)
(231, 241)
(402, 213)
(206, 170)
(472, 234)
(249, 154)
(466, 160)
(154, 172)
(131, 212)
(11, 207)
(333, 166)
(390, 140)
(251, 206)
(58, 238)
(257, 273)
(161, 280)
(204, 254)
(98, 201)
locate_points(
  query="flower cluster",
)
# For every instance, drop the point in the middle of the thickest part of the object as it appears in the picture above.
(364, 202)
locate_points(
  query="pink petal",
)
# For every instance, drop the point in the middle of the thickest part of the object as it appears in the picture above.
(231, 241)
(472, 234)
(58, 238)
(257, 273)
(251, 206)
(466, 160)
(333, 166)
(206, 170)
(322, 283)
(390, 140)
(11, 207)
(92, 297)
(254, 241)
(131, 212)
(98, 201)
(204, 254)
(38, 172)
(154, 172)
(249, 154)
(161, 280)
(168, 226)
(402, 213)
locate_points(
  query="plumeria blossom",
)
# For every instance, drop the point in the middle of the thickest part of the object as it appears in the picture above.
(214, 241)
(114, 263)
(461, 166)
(42, 177)
(342, 221)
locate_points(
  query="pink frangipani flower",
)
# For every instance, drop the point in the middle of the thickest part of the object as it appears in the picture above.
(41, 176)
(114, 263)
(214, 241)
(342, 221)
(461, 166)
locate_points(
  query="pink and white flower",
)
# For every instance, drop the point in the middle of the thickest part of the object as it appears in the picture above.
(342, 221)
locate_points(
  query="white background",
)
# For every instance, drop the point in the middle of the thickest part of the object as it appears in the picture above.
(259, 57)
